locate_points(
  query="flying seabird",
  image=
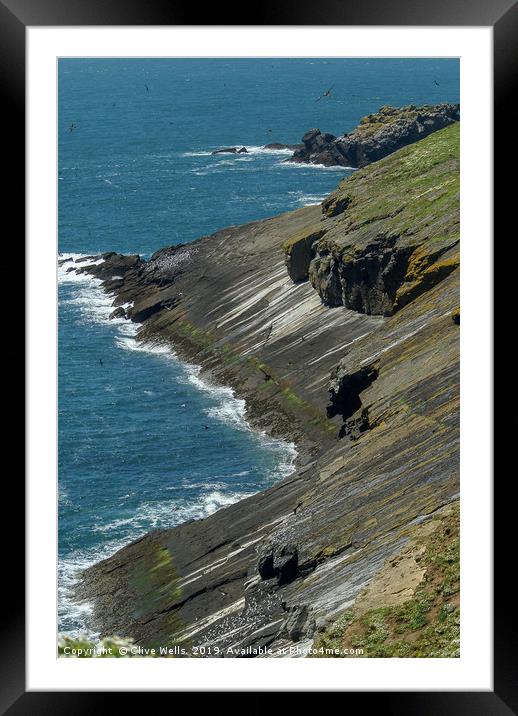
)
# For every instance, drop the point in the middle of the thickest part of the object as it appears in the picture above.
(72, 127)
(438, 85)
(327, 93)
(147, 88)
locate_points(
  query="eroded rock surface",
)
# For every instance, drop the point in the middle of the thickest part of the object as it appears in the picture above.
(370, 400)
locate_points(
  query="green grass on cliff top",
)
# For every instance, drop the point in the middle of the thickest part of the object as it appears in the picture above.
(385, 116)
(414, 192)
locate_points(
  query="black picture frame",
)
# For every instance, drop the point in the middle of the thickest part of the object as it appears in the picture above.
(15, 17)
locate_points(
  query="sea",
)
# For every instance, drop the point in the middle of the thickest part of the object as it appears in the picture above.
(144, 441)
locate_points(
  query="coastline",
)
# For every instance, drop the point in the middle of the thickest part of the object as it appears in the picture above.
(228, 409)
(275, 567)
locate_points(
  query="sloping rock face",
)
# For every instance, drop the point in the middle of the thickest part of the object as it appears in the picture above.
(371, 402)
(376, 136)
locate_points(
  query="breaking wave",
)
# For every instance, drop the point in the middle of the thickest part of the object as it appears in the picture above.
(192, 499)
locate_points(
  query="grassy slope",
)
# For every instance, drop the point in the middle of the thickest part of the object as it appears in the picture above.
(427, 624)
(411, 196)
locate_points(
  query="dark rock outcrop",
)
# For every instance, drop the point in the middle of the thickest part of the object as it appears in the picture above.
(376, 136)
(280, 563)
(299, 253)
(231, 150)
(118, 313)
(298, 623)
(346, 398)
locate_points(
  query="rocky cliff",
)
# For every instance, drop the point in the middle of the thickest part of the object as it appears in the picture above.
(393, 231)
(377, 135)
(362, 373)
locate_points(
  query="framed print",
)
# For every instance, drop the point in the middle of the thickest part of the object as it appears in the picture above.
(259, 439)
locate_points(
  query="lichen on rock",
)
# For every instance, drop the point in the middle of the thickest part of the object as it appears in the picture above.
(376, 136)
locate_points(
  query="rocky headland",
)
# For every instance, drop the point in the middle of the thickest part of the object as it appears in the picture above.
(339, 325)
(377, 135)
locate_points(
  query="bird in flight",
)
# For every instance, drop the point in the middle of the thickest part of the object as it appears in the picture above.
(327, 93)
(72, 127)
(438, 85)
(147, 88)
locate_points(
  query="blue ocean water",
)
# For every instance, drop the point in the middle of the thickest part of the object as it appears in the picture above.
(143, 442)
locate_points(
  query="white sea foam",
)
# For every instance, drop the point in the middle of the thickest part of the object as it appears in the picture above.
(232, 411)
(204, 153)
(310, 199)
(302, 199)
(64, 276)
(229, 409)
(95, 306)
(273, 152)
(250, 150)
(129, 343)
(303, 165)
(76, 617)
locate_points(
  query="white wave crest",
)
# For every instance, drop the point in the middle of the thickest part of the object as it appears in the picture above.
(272, 152)
(66, 276)
(74, 617)
(250, 150)
(95, 306)
(303, 165)
(302, 199)
(130, 343)
(232, 411)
